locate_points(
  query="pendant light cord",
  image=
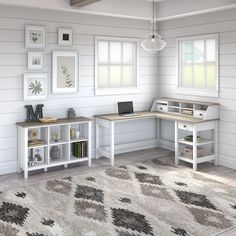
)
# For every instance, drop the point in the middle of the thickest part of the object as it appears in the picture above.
(153, 17)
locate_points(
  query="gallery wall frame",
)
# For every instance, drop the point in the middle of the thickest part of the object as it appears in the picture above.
(35, 60)
(35, 36)
(65, 72)
(35, 86)
(65, 37)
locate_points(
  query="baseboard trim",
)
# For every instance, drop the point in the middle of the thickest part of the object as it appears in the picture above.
(227, 161)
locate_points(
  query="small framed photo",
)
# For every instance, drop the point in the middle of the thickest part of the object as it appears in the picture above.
(38, 155)
(35, 86)
(35, 60)
(65, 37)
(35, 36)
(65, 72)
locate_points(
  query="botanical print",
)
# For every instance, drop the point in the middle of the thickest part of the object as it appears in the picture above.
(35, 60)
(66, 72)
(35, 86)
(35, 36)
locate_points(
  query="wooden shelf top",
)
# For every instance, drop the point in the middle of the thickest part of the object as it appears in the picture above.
(61, 121)
(150, 114)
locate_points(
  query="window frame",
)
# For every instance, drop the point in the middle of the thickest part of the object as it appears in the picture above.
(120, 90)
(197, 91)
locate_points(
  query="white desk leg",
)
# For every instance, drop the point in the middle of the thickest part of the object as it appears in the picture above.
(112, 151)
(96, 139)
(89, 143)
(216, 136)
(158, 134)
(176, 143)
(194, 148)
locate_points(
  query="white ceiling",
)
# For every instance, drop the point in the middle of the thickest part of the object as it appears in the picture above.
(136, 9)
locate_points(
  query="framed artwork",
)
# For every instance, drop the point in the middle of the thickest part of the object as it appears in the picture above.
(35, 36)
(65, 37)
(35, 86)
(35, 60)
(38, 155)
(65, 72)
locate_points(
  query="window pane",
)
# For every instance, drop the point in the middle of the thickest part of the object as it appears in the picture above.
(102, 52)
(211, 50)
(128, 53)
(115, 76)
(102, 76)
(198, 51)
(199, 81)
(187, 47)
(127, 80)
(211, 76)
(187, 76)
(115, 52)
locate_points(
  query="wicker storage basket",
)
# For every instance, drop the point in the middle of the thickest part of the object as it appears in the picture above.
(188, 152)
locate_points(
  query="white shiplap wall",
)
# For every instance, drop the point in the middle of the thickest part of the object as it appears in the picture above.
(223, 23)
(13, 63)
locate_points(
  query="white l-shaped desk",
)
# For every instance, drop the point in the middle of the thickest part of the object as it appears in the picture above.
(181, 123)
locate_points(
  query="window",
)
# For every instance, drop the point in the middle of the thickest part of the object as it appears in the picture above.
(116, 66)
(198, 65)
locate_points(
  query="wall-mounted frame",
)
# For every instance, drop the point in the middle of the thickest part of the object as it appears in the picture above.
(65, 71)
(35, 60)
(35, 86)
(65, 37)
(35, 36)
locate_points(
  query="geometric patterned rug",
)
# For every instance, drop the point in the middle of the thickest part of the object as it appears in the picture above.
(148, 198)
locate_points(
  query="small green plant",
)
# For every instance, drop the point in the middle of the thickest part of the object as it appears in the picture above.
(67, 77)
(35, 87)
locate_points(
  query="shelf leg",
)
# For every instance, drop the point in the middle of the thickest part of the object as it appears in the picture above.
(216, 136)
(112, 142)
(158, 130)
(45, 169)
(65, 166)
(90, 144)
(194, 148)
(96, 139)
(26, 174)
(176, 144)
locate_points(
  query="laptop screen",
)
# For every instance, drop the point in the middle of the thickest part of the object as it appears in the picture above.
(125, 108)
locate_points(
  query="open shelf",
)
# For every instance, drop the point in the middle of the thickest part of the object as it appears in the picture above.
(203, 141)
(199, 159)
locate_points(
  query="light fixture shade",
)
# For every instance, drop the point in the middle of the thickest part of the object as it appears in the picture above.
(153, 43)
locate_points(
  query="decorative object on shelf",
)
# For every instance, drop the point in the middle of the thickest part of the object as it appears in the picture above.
(35, 60)
(71, 113)
(56, 136)
(65, 72)
(35, 36)
(35, 86)
(38, 155)
(153, 41)
(65, 37)
(189, 138)
(32, 115)
(72, 133)
(187, 112)
(55, 153)
(33, 134)
(188, 152)
(32, 161)
(47, 120)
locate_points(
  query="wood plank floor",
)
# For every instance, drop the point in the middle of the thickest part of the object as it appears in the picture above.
(222, 174)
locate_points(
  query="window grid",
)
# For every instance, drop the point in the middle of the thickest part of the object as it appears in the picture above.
(133, 64)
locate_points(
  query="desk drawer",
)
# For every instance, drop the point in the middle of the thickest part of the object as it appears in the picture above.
(162, 108)
(185, 126)
(199, 113)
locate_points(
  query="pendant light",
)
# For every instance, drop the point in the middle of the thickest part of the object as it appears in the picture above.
(153, 41)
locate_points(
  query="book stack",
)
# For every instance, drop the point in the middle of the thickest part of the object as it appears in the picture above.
(189, 138)
(36, 142)
(79, 149)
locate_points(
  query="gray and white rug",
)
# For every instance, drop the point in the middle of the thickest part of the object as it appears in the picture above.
(148, 198)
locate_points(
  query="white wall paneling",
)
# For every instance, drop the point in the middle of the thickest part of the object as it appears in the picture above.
(223, 23)
(13, 63)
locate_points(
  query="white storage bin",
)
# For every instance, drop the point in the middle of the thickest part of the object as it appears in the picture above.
(162, 108)
(199, 114)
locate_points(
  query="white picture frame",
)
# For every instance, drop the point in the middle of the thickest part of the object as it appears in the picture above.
(65, 37)
(38, 154)
(35, 86)
(35, 36)
(65, 72)
(35, 60)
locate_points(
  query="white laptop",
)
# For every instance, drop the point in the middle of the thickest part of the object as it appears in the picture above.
(126, 109)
